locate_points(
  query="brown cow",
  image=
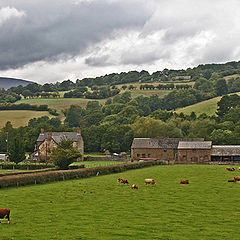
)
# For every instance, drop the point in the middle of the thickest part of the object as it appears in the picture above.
(5, 213)
(237, 178)
(184, 182)
(134, 186)
(123, 180)
(150, 181)
(230, 169)
(231, 180)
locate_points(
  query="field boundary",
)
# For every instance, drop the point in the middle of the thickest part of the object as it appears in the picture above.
(62, 175)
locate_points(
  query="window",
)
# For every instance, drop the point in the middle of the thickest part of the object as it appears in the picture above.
(138, 155)
(194, 159)
(184, 157)
(194, 150)
(206, 157)
(165, 150)
(143, 155)
(149, 155)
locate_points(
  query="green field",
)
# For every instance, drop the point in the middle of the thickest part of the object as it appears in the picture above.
(89, 164)
(209, 107)
(101, 208)
(58, 103)
(19, 117)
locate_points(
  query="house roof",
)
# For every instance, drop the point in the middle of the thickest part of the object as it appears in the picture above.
(226, 150)
(195, 145)
(59, 136)
(160, 142)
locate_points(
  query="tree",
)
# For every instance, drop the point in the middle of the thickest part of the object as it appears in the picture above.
(64, 154)
(16, 150)
(221, 87)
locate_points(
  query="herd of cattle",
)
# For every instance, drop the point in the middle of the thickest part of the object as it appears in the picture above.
(235, 179)
(5, 213)
(147, 182)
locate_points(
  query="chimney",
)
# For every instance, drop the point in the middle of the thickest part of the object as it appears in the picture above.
(49, 135)
(42, 130)
(79, 131)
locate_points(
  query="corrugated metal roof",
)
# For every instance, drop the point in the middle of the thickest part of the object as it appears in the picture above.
(160, 142)
(59, 136)
(195, 145)
(226, 150)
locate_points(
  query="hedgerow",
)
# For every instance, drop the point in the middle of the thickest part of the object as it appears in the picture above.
(51, 176)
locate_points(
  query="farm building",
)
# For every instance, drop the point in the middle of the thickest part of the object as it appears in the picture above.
(48, 140)
(159, 148)
(194, 151)
(183, 150)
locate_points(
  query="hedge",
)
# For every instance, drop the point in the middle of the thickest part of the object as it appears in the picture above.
(61, 175)
(26, 172)
(25, 165)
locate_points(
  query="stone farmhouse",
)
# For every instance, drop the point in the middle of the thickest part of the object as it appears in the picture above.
(49, 140)
(182, 150)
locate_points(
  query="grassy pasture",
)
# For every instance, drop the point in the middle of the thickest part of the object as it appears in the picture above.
(89, 164)
(19, 117)
(58, 103)
(209, 107)
(100, 208)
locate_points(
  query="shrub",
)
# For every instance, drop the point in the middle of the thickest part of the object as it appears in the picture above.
(51, 176)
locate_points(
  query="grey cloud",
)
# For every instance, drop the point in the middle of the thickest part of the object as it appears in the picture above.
(53, 30)
(98, 61)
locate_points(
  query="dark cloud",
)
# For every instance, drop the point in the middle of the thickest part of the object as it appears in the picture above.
(56, 30)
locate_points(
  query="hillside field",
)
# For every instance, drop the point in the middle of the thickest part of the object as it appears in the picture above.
(101, 208)
(209, 107)
(19, 117)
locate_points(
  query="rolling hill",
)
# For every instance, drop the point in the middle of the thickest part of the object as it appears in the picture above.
(12, 82)
(208, 107)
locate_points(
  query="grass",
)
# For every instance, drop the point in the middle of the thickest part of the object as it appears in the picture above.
(209, 107)
(100, 208)
(89, 164)
(57, 103)
(19, 117)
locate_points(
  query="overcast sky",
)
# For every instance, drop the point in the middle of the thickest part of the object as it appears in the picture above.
(54, 40)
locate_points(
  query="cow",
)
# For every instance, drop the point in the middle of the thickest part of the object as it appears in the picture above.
(237, 178)
(239, 168)
(150, 181)
(230, 169)
(5, 213)
(184, 182)
(123, 180)
(231, 180)
(134, 186)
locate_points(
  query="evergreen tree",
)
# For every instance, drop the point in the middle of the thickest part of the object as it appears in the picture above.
(16, 150)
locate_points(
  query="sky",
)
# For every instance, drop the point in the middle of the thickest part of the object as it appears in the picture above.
(54, 40)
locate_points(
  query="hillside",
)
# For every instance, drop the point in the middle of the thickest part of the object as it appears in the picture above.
(12, 82)
(19, 118)
(208, 107)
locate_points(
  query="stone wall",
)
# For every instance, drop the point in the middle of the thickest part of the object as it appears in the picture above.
(162, 154)
(110, 158)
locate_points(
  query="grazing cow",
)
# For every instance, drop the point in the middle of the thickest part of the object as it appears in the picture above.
(150, 181)
(239, 168)
(230, 169)
(123, 180)
(237, 178)
(5, 213)
(184, 182)
(134, 186)
(231, 180)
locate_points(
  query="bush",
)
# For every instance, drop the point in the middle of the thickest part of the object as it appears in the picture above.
(25, 165)
(51, 176)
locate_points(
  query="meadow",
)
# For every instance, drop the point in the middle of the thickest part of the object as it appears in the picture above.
(101, 208)
(19, 117)
(208, 107)
(89, 164)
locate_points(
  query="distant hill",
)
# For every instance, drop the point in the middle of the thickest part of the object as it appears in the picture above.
(12, 82)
